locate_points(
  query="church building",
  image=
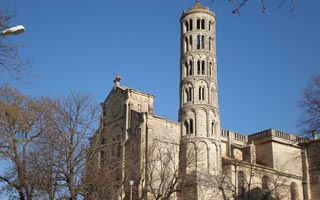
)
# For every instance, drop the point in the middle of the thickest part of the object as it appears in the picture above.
(136, 154)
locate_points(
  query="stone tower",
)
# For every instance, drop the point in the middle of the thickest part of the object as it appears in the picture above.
(200, 154)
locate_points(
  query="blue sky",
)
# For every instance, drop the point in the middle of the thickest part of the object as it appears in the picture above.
(264, 60)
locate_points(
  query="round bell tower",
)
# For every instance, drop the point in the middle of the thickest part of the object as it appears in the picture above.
(199, 111)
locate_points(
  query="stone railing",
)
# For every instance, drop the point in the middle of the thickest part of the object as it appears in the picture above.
(277, 134)
(234, 135)
(224, 133)
(241, 137)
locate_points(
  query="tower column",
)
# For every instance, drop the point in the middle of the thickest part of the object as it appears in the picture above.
(199, 116)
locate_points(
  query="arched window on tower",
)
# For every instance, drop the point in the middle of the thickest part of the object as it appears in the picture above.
(186, 43)
(213, 128)
(190, 24)
(186, 96)
(190, 42)
(190, 94)
(210, 24)
(198, 23)
(186, 26)
(210, 69)
(202, 41)
(203, 24)
(199, 67)
(203, 67)
(201, 93)
(191, 126)
(186, 127)
(198, 41)
(186, 69)
(190, 68)
(212, 95)
(210, 45)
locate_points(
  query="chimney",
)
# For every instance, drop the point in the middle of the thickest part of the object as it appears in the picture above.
(314, 134)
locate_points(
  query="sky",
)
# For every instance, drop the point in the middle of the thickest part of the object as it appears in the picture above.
(264, 59)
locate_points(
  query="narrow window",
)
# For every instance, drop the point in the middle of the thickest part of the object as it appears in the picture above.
(198, 42)
(203, 22)
(210, 25)
(202, 41)
(190, 23)
(190, 68)
(191, 126)
(213, 128)
(190, 94)
(200, 93)
(199, 67)
(186, 26)
(186, 127)
(186, 95)
(203, 67)
(203, 93)
(190, 42)
(186, 43)
(210, 69)
(210, 46)
(212, 95)
(198, 23)
(186, 69)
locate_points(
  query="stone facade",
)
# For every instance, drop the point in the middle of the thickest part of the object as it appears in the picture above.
(137, 154)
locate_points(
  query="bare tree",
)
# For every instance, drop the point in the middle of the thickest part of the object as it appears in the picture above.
(23, 120)
(74, 122)
(239, 4)
(10, 60)
(310, 103)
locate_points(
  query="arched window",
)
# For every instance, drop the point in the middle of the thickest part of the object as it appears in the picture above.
(186, 43)
(202, 41)
(213, 128)
(241, 185)
(186, 26)
(210, 45)
(199, 67)
(198, 41)
(190, 42)
(186, 69)
(293, 191)
(186, 96)
(186, 127)
(190, 68)
(190, 24)
(210, 69)
(191, 126)
(190, 94)
(201, 93)
(198, 23)
(203, 67)
(210, 25)
(212, 95)
(203, 22)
